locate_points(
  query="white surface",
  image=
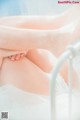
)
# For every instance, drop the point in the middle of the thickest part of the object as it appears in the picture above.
(26, 106)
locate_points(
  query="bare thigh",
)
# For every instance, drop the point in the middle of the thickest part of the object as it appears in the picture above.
(25, 75)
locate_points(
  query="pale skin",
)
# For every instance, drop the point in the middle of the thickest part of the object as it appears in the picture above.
(24, 38)
(43, 22)
(46, 36)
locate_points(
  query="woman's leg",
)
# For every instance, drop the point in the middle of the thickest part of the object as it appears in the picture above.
(25, 39)
(24, 75)
(42, 58)
(43, 22)
(29, 74)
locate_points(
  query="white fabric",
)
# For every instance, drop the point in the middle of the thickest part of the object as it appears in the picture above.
(28, 106)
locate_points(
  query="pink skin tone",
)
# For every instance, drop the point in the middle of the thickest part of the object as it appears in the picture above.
(41, 58)
(27, 75)
(43, 22)
(17, 56)
(37, 60)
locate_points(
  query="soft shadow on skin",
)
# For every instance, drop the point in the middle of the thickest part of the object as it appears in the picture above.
(25, 75)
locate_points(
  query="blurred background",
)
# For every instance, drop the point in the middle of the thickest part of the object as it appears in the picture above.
(31, 7)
